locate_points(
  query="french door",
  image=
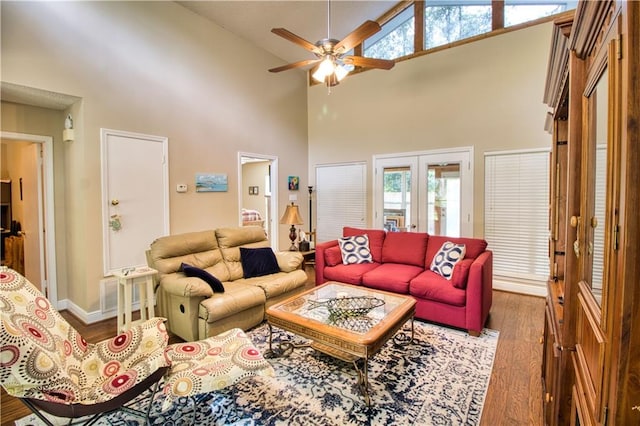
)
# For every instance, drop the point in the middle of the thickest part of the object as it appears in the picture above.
(425, 192)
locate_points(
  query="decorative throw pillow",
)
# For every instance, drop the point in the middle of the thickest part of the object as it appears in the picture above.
(333, 256)
(461, 273)
(192, 271)
(446, 258)
(355, 249)
(258, 262)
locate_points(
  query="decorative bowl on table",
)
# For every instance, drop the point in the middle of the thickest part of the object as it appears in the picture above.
(353, 306)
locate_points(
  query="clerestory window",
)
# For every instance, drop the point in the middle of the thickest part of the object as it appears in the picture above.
(448, 21)
(519, 11)
(396, 39)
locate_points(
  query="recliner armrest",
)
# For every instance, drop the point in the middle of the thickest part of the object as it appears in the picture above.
(181, 285)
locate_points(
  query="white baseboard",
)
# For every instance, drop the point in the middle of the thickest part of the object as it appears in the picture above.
(523, 287)
(84, 316)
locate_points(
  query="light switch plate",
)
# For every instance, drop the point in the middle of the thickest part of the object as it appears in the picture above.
(182, 187)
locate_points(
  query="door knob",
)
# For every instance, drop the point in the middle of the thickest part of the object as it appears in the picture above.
(594, 222)
(575, 221)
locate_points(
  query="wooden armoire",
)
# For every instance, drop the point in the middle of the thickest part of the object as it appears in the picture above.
(591, 364)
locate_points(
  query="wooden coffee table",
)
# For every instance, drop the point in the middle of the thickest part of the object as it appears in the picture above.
(337, 330)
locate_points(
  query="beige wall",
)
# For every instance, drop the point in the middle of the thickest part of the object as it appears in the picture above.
(486, 94)
(154, 68)
(253, 174)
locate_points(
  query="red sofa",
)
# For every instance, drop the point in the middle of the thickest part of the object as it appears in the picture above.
(401, 264)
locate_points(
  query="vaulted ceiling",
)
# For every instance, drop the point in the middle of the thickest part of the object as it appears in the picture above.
(253, 20)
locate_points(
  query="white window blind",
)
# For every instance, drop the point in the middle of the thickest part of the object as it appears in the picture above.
(599, 213)
(517, 213)
(341, 199)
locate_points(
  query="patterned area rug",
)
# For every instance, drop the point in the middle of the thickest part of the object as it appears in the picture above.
(440, 379)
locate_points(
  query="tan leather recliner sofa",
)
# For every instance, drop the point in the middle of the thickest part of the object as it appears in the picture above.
(193, 310)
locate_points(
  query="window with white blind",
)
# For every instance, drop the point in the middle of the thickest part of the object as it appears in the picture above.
(517, 213)
(599, 213)
(341, 198)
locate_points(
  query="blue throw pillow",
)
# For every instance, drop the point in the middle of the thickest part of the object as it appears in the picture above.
(258, 262)
(192, 271)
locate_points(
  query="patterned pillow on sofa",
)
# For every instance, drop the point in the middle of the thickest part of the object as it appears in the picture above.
(355, 249)
(446, 258)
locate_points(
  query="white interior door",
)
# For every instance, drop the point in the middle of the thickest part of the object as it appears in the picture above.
(30, 194)
(135, 192)
(425, 192)
(446, 193)
(397, 187)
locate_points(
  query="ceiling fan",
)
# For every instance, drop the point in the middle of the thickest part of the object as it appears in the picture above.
(331, 62)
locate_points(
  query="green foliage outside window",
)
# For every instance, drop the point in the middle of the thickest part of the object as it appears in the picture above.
(446, 24)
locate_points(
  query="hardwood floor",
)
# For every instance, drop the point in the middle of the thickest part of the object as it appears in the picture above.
(514, 396)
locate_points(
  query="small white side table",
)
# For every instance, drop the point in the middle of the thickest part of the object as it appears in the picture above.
(143, 277)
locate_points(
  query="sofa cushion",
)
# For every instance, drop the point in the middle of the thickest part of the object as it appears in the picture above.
(430, 285)
(289, 261)
(333, 256)
(350, 274)
(461, 273)
(258, 262)
(199, 249)
(275, 285)
(392, 277)
(237, 298)
(233, 237)
(192, 271)
(446, 258)
(355, 249)
(405, 247)
(376, 238)
(473, 246)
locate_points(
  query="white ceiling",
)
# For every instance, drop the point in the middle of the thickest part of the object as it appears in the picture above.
(253, 20)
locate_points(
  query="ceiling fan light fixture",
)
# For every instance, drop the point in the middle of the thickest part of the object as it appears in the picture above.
(341, 72)
(326, 68)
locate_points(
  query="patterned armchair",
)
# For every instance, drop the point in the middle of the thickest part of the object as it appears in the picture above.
(46, 363)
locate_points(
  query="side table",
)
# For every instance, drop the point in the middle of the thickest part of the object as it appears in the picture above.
(127, 278)
(308, 258)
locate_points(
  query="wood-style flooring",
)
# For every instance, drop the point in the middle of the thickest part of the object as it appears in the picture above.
(514, 396)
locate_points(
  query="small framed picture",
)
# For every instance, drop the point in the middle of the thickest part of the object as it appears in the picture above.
(294, 183)
(211, 182)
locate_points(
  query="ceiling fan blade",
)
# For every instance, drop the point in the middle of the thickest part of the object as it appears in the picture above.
(361, 61)
(295, 65)
(286, 34)
(356, 36)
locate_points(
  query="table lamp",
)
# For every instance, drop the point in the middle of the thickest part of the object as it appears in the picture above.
(292, 217)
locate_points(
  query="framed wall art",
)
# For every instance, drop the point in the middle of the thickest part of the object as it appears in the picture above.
(294, 183)
(212, 182)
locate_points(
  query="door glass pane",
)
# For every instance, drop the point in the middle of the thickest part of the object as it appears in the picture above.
(397, 198)
(443, 199)
(600, 101)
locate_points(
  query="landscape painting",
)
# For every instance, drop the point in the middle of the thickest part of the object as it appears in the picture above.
(211, 182)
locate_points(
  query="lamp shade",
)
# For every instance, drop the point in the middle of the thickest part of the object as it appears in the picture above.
(291, 216)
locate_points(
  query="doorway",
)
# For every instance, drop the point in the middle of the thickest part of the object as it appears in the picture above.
(425, 192)
(135, 196)
(258, 194)
(35, 193)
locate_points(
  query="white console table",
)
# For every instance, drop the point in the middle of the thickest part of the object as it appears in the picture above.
(143, 277)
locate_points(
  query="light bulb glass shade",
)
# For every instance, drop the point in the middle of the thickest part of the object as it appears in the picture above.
(291, 216)
(325, 69)
(341, 72)
(318, 76)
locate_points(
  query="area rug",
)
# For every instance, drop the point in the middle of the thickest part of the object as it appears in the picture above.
(439, 379)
